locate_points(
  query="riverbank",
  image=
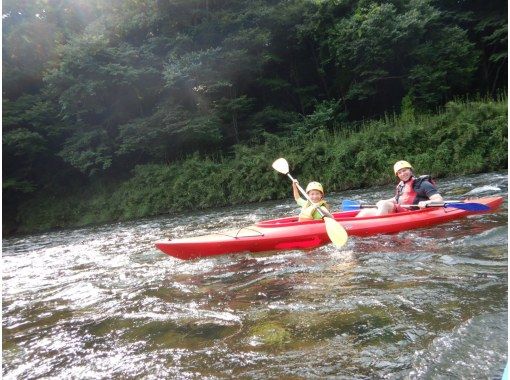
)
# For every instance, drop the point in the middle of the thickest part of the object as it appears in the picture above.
(464, 138)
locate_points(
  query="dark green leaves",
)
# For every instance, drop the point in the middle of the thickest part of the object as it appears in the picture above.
(95, 88)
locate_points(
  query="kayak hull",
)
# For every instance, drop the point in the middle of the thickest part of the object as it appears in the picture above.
(288, 233)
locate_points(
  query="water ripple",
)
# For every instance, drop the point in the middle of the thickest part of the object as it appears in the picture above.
(102, 302)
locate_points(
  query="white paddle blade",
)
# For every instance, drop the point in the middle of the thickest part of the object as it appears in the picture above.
(281, 165)
(336, 233)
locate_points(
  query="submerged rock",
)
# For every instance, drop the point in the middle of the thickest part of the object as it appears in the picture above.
(270, 334)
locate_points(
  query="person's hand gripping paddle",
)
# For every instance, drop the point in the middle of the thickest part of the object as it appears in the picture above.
(335, 231)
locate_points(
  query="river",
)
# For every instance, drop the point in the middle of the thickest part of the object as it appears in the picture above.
(103, 303)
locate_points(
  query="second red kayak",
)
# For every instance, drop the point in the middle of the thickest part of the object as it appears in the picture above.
(289, 233)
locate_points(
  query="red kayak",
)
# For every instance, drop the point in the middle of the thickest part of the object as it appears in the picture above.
(289, 233)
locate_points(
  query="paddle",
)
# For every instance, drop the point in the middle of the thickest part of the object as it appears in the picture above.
(349, 205)
(335, 231)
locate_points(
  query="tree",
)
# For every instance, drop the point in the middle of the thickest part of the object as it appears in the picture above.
(486, 23)
(99, 87)
(33, 31)
(443, 68)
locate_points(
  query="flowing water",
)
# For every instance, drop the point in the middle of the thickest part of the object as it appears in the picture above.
(103, 303)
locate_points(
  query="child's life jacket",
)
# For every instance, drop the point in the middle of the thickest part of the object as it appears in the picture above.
(309, 210)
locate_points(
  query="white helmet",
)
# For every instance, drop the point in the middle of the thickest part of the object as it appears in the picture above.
(315, 186)
(401, 165)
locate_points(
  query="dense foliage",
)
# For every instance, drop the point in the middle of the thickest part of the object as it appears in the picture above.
(101, 95)
(468, 137)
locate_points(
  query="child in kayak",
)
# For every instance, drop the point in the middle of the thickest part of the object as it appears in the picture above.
(315, 192)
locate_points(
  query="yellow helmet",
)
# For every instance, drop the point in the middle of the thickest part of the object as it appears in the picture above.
(314, 186)
(401, 165)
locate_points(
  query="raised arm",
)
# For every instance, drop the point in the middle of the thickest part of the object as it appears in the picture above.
(295, 190)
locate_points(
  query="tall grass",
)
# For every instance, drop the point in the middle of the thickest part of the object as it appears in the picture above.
(466, 137)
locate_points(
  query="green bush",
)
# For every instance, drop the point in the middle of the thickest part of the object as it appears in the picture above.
(465, 138)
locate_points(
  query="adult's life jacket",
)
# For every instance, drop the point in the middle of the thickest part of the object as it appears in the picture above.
(407, 193)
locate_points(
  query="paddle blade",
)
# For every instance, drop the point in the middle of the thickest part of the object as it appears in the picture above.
(336, 233)
(281, 165)
(349, 205)
(470, 206)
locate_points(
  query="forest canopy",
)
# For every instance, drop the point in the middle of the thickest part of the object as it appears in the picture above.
(94, 88)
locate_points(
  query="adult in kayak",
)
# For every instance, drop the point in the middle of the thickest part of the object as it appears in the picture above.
(309, 209)
(411, 190)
